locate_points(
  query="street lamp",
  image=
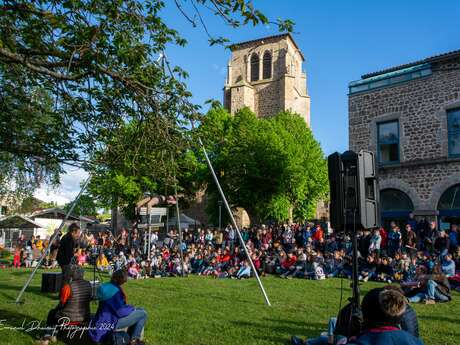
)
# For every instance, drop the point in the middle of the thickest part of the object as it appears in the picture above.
(220, 214)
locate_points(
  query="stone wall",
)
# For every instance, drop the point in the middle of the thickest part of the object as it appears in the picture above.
(425, 171)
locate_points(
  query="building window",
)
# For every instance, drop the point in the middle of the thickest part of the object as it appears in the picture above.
(388, 142)
(449, 207)
(395, 206)
(267, 65)
(254, 67)
(453, 130)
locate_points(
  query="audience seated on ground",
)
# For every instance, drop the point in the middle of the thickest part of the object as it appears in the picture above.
(294, 250)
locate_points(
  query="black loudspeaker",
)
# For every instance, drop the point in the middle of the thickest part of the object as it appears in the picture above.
(336, 191)
(353, 190)
(369, 196)
(51, 281)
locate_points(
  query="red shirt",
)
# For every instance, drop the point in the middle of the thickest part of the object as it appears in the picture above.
(289, 262)
(318, 235)
(384, 236)
(223, 258)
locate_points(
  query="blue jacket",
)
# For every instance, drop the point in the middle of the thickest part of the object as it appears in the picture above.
(386, 337)
(112, 307)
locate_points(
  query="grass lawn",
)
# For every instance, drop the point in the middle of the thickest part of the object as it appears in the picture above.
(201, 311)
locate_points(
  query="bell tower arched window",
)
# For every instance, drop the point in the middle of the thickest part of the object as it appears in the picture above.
(267, 65)
(254, 67)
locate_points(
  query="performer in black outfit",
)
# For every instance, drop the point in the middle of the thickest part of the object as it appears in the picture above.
(67, 246)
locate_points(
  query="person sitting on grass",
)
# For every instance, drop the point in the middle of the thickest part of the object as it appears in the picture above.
(133, 270)
(383, 310)
(114, 314)
(244, 271)
(74, 300)
(429, 288)
(337, 329)
(80, 256)
(102, 264)
(288, 265)
(448, 266)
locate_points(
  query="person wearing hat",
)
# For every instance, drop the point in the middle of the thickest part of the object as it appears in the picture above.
(383, 310)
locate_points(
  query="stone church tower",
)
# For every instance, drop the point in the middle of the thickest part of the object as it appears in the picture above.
(266, 76)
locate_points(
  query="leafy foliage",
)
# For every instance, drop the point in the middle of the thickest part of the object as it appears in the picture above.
(31, 204)
(272, 167)
(81, 85)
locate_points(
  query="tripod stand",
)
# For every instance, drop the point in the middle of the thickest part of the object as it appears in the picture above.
(93, 260)
(356, 313)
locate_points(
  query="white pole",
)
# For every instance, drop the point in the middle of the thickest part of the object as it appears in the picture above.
(181, 253)
(234, 222)
(150, 232)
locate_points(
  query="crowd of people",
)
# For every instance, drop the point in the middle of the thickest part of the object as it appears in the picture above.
(294, 250)
(421, 257)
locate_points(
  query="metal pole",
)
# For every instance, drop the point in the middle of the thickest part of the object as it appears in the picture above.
(167, 220)
(227, 206)
(180, 230)
(220, 215)
(52, 239)
(150, 231)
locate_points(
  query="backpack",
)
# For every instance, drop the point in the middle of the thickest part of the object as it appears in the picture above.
(319, 273)
(348, 325)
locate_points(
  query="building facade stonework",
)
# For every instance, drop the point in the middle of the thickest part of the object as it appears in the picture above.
(409, 116)
(266, 76)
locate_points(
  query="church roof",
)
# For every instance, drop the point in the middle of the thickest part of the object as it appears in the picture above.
(244, 44)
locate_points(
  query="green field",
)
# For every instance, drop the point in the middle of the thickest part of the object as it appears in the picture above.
(200, 310)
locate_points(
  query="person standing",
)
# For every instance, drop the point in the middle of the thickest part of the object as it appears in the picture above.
(67, 246)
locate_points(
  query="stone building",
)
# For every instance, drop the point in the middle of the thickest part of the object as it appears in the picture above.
(409, 116)
(266, 76)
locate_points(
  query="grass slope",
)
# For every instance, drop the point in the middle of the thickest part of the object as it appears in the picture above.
(205, 311)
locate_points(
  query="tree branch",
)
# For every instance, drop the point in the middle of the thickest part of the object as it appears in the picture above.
(39, 69)
(181, 10)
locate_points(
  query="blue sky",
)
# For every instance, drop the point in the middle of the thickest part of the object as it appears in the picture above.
(341, 40)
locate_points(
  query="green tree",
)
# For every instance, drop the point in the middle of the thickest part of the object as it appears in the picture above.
(272, 167)
(76, 74)
(31, 204)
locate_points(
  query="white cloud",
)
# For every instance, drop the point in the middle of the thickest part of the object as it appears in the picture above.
(66, 191)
